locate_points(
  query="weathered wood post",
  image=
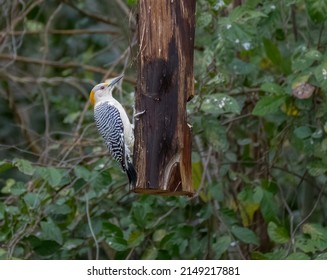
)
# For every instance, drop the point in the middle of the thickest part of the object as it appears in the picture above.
(162, 153)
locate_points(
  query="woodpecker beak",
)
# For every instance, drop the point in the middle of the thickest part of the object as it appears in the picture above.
(116, 80)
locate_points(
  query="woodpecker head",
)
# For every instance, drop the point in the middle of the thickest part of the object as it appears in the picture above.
(103, 90)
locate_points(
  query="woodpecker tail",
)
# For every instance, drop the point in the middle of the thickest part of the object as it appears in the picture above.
(131, 173)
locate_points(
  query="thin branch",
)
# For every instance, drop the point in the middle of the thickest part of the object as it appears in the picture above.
(321, 31)
(25, 13)
(126, 10)
(294, 23)
(67, 32)
(52, 63)
(81, 118)
(89, 222)
(89, 14)
(51, 80)
(44, 155)
(75, 143)
(290, 213)
(205, 170)
(22, 123)
(310, 213)
(57, 64)
(203, 157)
(46, 36)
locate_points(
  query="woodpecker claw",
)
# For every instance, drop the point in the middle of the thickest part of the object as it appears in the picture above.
(138, 114)
(135, 116)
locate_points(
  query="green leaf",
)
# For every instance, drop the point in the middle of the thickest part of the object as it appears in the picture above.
(220, 104)
(150, 253)
(316, 231)
(18, 188)
(304, 61)
(46, 248)
(158, 235)
(3, 253)
(55, 209)
(9, 184)
(12, 210)
(322, 256)
(32, 200)
(320, 73)
(272, 88)
(239, 67)
(324, 145)
(135, 238)
(24, 166)
(197, 170)
(2, 210)
(269, 207)
(245, 235)
(221, 245)
(50, 174)
(4, 166)
(303, 132)
(251, 195)
(298, 256)
(272, 52)
(316, 168)
(117, 243)
(278, 234)
(82, 172)
(314, 238)
(277, 255)
(244, 13)
(50, 231)
(72, 244)
(216, 191)
(255, 255)
(216, 135)
(250, 200)
(100, 180)
(317, 10)
(268, 105)
(141, 214)
(305, 244)
(281, 63)
(111, 229)
(204, 20)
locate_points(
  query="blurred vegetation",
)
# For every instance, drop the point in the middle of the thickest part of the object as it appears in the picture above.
(259, 135)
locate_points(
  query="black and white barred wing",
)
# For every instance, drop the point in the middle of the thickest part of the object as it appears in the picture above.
(111, 128)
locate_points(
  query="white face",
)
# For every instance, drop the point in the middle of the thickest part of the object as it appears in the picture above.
(100, 91)
(103, 91)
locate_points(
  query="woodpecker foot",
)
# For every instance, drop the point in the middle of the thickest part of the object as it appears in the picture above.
(135, 116)
(138, 114)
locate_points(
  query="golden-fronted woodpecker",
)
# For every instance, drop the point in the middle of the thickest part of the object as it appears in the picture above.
(114, 126)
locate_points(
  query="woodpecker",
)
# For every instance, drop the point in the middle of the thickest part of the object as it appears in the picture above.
(114, 126)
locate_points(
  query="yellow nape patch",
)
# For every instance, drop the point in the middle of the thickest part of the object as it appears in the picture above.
(91, 98)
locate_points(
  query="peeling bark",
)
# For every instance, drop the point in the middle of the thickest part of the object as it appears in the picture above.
(165, 84)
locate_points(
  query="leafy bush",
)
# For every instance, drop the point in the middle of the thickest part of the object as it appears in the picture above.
(259, 133)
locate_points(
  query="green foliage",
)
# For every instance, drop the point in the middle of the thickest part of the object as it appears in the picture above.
(245, 235)
(259, 120)
(268, 105)
(275, 143)
(277, 233)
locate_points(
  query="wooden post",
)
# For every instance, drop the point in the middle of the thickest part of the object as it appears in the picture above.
(162, 153)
